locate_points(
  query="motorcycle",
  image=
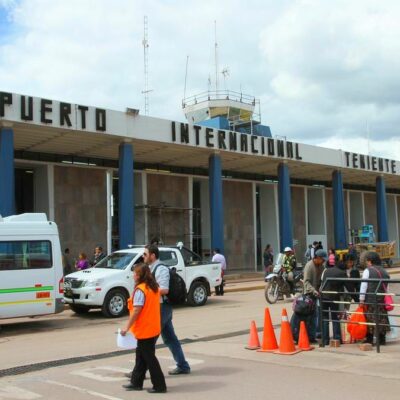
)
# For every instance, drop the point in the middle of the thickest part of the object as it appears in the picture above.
(277, 284)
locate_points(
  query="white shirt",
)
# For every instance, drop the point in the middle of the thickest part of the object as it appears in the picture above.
(161, 276)
(221, 259)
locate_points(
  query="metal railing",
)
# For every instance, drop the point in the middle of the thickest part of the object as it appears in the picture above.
(219, 95)
(375, 298)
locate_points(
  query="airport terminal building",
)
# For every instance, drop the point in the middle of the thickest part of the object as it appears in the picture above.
(115, 178)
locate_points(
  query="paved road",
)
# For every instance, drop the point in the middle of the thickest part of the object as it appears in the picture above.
(214, 337)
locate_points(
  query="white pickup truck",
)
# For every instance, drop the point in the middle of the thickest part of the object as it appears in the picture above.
(110, 282)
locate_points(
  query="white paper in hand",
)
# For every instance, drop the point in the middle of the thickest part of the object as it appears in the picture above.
(126, 342)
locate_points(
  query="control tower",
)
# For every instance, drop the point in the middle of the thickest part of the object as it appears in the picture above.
(226, 109)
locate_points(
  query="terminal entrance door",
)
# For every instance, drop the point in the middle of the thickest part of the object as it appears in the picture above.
(24, 190)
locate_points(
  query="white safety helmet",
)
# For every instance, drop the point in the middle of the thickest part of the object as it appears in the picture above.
(287, 249)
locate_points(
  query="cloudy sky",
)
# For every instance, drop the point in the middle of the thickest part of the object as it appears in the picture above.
(326, 72)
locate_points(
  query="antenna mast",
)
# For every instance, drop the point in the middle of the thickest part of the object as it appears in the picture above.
(216, 57)
(186, 74)
(146, 90)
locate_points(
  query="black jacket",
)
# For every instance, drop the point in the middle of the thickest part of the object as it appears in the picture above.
(338, 271)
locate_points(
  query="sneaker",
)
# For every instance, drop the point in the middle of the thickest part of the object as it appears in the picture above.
(178, 371)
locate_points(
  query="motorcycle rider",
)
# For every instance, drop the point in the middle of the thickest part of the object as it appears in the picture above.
(289, 264)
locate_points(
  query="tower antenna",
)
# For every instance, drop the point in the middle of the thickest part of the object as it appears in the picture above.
(216, 57)
(146, 90)
(186, 74)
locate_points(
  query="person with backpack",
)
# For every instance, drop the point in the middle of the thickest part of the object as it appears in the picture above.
(162, 275)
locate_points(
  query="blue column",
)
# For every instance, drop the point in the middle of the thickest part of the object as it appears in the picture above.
(285, 207)
(7, 181)
(126, 196)
(339, 220)
(216, 204)
(381, 210)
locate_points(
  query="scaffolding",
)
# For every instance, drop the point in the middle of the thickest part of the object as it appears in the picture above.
(169, 225)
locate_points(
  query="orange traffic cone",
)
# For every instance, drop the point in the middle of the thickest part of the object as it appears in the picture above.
(254, 342)
(304, 343)
(269, 340)
(286, 345)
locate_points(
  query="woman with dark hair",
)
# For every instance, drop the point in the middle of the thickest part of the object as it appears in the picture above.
(145, 324)
(374, 305)
(82, 263)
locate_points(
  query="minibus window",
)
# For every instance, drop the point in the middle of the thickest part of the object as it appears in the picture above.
(25, 254)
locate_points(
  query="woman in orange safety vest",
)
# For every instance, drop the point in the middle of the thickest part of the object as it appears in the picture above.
(145, 324)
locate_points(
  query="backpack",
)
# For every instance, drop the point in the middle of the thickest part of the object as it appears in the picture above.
(303, 305)
(177, 287)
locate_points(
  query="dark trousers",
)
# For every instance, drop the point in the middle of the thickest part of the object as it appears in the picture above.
(219, 290)
(334, 310)
(146, 360)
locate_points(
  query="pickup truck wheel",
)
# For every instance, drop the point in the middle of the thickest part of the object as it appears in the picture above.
(114, 305)
(197, 294)
(79, 309)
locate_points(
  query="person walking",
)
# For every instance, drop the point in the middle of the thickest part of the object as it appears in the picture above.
(145, 324)
(161, 274)
(268, 257)
(218, 257)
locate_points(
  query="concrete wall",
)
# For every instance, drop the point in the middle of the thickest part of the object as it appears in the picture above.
(41, 189)
(238, 225)
(315, 208)
(268, 217)
(169, 216)
(392, 220)
(299, 221)
(356, 210)
(329, 218)
(205, 217)
(80, 208)
(370, 211)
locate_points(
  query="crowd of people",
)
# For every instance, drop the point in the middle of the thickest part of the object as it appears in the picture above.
(82, 262)
(319, 267)
(338, 294)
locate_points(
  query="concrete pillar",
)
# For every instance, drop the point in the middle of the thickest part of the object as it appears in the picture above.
(285, 207)
(126, 202)
(7, 180)
(381, 210)
(339, 221)
(216, 203)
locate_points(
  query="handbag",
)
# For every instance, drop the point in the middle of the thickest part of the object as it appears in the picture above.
(357, 324)
(388, 299)
(303, 305)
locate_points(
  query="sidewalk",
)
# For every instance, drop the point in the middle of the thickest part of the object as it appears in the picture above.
(255, 280)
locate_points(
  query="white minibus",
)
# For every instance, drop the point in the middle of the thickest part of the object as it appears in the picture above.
(31, 273)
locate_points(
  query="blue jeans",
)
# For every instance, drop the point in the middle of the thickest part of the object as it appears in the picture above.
(169, 337)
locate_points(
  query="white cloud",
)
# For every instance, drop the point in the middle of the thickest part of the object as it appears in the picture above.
(323, 70)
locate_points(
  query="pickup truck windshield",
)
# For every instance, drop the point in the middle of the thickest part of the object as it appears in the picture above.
(116, 261)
